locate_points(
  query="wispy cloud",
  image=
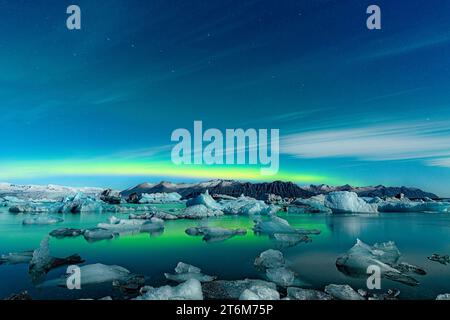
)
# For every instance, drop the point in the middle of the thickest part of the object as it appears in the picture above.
(400, 141)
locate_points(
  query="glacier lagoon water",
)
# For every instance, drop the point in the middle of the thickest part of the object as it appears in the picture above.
(416, 235)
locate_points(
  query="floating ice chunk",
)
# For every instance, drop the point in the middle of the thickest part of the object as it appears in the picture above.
(343, 292)
(278, 225)
(66, 233)
(97, 234)
(204, 199)
(270, 259)
(122, 225)
(290, 240)
(81, 203)
(231, 289)
(406, 205)
(295, 293)
(385, 255)
(28, 208)
(439, 258)
(100, 273)
(260, 293)
(189, 290)
(199, 212)
(344, 201)
(186, 271)
(153, 226)
(281, 276)
(42, 220)
(152, 198)
(445, 296)
(16, 257)
(212, 234)
(248, 206)
(154, 214)
(186, 268)
(41, 261)
(315, 204)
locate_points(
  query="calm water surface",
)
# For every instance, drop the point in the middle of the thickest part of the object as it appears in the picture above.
(416, 235)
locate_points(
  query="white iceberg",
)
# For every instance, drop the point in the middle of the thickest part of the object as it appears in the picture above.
(186, 271)
(231, 289)
(206, 200)
(81, 203)
(295, 293)
(385, 255)
(282, 276)
(343, 292)
(215, 234)
(248, 206)
(259, 292)
(270, 259)
(199, 211)
(154, 198)
(189, 290)
(344, 201)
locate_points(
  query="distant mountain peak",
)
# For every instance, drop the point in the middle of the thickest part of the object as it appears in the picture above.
(262, 190)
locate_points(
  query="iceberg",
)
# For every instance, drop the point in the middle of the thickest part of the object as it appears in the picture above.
(231, 289)
(348, 202)
(204, 199)
(153, 198)
(295, 293)
(81, 203)
(215, 234)
(278, 225)
(189, 290)
(270, 259)
(282, 276)
(184, 272)
(290, 240)
(406, 205)
(199, 211)
(259, 292)
(445, 296)
(315, 204)
(154, 214)
(41, 262)
(122, 225)
(385, 255)
(16, 257)
(42, 220)
(248, 206)
(111, 196)
(66, 233)
(153, 226)
(98, 234)
(343, 292)
(439, 258)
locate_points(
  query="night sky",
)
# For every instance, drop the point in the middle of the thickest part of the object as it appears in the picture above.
(97, 106)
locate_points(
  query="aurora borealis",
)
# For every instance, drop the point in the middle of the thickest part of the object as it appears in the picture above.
(97, 106)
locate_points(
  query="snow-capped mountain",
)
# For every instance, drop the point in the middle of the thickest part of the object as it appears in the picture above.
(261, 190)
(44, 192)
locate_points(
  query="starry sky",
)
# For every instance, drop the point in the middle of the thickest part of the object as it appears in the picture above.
(97, 106)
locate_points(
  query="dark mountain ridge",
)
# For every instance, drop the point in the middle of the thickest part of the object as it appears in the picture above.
(262, 190)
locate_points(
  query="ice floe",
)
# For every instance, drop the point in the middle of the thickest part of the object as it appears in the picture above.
(259, 292)
(189, 290)
(154, 198)
(42, 220)
(215, 234)
(343, 292)
(232, 289)
(295, 293)
(184, 272)
(344, 201)
(384, 255)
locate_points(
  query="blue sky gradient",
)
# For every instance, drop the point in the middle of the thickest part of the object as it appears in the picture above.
(352, 105)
